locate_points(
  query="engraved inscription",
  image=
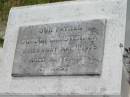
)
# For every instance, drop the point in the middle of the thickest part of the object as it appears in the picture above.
(70, 48)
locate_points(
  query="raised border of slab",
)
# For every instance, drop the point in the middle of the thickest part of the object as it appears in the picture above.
(110, 81)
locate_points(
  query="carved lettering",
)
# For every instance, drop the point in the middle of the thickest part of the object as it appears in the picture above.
(60, 48)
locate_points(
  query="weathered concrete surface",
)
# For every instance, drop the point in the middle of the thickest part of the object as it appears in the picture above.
(109, 83)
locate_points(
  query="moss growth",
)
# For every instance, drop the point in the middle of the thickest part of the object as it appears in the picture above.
(1, 42)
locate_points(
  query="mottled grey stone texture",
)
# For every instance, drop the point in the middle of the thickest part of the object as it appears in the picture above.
(71, 48)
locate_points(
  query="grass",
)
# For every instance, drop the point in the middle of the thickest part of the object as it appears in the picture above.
(5, 6)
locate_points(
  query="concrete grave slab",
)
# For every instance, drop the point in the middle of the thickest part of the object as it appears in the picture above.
(108, 84)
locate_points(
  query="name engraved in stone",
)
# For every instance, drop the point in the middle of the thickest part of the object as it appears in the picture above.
(69, 48)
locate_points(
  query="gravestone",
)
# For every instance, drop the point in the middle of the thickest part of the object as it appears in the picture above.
(65, 49)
